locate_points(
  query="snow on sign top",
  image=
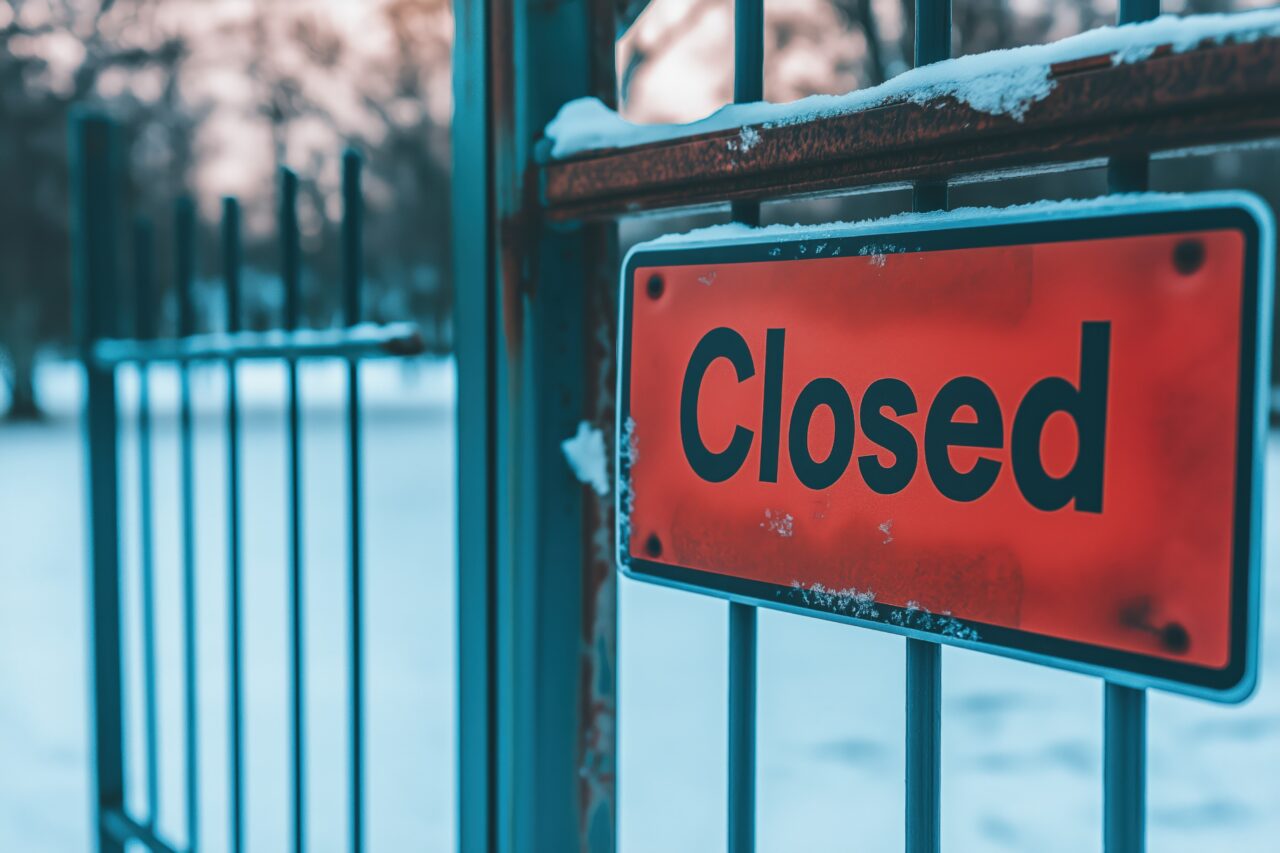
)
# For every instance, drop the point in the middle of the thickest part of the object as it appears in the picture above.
(1000, 82)
(1058, 209)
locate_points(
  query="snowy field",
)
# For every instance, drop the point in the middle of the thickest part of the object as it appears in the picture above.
(1022, 744)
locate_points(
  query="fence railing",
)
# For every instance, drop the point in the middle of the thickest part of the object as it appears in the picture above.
(102, 313)
(1170, 102)
(1099, 111)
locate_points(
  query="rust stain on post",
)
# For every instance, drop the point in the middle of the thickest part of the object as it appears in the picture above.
(598, 691)
(598, 675)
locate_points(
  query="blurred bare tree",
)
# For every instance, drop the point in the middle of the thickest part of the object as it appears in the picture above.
(168, 72)
(54, 56)
(410, 238)
(313, 90)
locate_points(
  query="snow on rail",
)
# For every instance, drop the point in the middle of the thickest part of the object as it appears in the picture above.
(819, 238)
(911, 221)
(1000, 82)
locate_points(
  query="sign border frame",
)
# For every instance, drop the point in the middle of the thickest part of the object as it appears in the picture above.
(1044, 222)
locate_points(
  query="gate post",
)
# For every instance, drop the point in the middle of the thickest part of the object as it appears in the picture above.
(474, 301)
(93, 221)
(1124, 726)
(536, 335)
(923, 794)
(748, 86)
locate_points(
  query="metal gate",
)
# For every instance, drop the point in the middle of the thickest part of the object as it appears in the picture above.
(112, 333)
(537, 272)
(537, 264)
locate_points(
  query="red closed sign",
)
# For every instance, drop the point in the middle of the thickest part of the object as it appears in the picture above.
(1033, 432)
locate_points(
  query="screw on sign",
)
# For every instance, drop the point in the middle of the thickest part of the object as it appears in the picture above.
(1032, 432)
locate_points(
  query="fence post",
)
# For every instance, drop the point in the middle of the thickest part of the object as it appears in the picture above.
(231, 253)
(352, 278)
(924, 658)
(535, 357)
(1124, 782)
(144, 328)
(748, 86)
(184, 238)
(474, 307)
(93, 219)
(1124, 773)
(291, 273)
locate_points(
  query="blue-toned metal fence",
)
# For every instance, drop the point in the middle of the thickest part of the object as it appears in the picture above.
(535, 249)
(102, 319)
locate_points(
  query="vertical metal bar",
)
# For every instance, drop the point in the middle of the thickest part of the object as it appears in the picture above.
(1124, 778)
(527, 573)
(748, 86)
(144, 328)
(1134, 11)
(933, 31)
(748, 77)
(924, 747)
(93, 214)
(352, 264)
(933, 44)
(923, 812)
(291, 271)
(1127, 173)
(742, 728)
(475, 312)
(235, 713)
(184, 279)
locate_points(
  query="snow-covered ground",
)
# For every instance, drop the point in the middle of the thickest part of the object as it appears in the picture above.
(1022, 744)
(44, 796)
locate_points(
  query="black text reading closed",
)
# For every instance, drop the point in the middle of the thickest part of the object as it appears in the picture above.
(1085, 402)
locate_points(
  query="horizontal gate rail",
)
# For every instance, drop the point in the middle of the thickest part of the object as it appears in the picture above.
(368, 341)
(1214, 94)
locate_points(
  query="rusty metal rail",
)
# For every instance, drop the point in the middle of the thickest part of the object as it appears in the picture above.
(1215, 94)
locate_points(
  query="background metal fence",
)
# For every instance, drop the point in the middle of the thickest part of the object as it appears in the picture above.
(105, 345)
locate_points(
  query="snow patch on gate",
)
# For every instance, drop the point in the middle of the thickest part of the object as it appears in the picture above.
(748, 138)
(921, 619)
(585, 453)
(999, 82)
(876, 254)
(628, 453)
(860, 604)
